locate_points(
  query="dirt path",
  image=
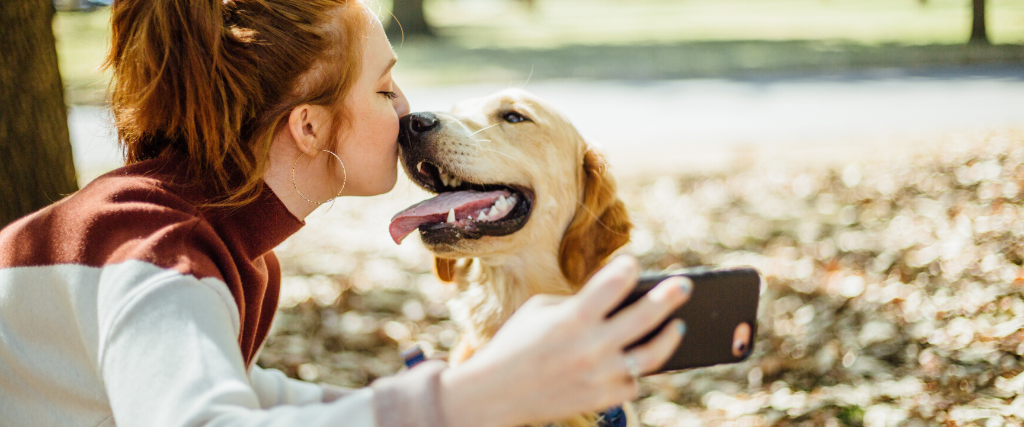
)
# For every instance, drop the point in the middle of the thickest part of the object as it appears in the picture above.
(658, 127)
(713, 124)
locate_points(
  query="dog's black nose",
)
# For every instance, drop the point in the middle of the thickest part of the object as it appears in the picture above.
(422, 122)
(413, 127)
(419, 123)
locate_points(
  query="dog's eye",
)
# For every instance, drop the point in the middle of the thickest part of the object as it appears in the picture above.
(514, 117)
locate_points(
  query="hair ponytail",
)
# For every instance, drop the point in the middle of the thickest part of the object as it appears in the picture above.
(213, 80)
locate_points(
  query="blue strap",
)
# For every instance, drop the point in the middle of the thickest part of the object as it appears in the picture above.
(613, 417)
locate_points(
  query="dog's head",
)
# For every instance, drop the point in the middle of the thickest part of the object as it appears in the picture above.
(511, 175)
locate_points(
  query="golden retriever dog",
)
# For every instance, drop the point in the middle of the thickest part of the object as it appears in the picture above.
(524, 206)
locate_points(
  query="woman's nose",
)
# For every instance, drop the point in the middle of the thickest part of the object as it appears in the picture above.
(401, 103)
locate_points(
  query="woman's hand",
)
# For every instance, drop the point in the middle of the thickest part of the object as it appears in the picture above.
(560, 356)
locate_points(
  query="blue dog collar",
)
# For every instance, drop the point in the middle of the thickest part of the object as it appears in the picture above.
(613, 417)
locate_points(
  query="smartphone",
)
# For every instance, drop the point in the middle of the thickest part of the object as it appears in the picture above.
(721, 316)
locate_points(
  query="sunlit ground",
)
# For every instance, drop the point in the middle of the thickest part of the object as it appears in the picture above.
(894, 289)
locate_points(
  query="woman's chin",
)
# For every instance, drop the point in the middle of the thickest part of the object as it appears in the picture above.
(388, 183)
(374, 188)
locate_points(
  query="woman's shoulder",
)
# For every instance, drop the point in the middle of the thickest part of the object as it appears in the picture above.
(132, 213)
(138, 191)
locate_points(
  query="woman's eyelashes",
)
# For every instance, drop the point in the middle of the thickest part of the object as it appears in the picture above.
(388, 94)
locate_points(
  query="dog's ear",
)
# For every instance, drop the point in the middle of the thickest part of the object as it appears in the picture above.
(444, 269)
(601, 224)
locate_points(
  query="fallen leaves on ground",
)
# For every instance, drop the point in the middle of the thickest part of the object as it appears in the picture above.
(893, 291)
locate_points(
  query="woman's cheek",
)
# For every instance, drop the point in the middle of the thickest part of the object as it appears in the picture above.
(389, 178)
(393, 124)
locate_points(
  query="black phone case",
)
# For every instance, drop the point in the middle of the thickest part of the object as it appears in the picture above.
(721, 299)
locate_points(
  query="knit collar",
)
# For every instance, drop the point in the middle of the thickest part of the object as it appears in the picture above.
(255, 228)
(258, 226)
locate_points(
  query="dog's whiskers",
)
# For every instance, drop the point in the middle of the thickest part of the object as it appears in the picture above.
(527, 78)
(596, 218)
(483, 140)
(481, 130)
(503, 154)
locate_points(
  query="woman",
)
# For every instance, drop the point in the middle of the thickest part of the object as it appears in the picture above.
(144, 298)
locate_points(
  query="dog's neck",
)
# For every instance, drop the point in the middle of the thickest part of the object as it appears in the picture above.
(492, 288)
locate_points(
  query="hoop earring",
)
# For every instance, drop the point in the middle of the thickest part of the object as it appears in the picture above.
(344, 174)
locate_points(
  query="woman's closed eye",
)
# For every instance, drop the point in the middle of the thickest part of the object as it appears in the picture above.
(388, 94)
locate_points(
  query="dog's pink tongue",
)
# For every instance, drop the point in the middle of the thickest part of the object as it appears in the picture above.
(436, 209)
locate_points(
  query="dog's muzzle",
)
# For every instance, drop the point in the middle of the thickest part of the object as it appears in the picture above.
(463, 208)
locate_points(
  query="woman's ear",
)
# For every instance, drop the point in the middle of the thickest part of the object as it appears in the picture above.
(308, 125)
(601, 224)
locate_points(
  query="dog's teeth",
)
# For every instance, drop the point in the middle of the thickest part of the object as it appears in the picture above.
(482, 217)
(502, 202)
(451, 216)
(493, 211)
(419, 167)
(512, 200)
(454, 182)
(444, 179)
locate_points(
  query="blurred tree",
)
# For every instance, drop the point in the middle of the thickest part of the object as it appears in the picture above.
(36, 167)
(979, 34)
(411, 20)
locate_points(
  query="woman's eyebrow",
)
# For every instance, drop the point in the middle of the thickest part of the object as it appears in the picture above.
(394, 59)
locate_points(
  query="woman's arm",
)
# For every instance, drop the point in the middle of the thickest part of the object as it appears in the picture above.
(274, 388)
(169, 356)
(557, 356)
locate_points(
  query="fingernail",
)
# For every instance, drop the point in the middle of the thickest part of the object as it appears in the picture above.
(682, 327)
(685, 285)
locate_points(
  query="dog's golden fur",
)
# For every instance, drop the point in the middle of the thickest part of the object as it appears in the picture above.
(576, 223)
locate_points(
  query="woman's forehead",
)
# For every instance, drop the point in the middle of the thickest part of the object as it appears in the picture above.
(378, 54)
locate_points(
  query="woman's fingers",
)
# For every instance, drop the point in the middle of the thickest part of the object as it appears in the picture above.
(609, 286)
(542, 300)
(658, 350)
(639, 318)
(646, 358)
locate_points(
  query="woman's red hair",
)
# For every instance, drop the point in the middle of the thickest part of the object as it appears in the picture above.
(215, 80)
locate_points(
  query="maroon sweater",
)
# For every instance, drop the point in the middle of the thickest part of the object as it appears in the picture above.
(144, 212)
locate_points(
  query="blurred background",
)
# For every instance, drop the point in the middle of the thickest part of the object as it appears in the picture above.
(865, 155)
(709, 83)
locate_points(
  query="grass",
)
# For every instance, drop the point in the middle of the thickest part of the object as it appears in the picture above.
(81, 44)
(572, 22)
(487, 40)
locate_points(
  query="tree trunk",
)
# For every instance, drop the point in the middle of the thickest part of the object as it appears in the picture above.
(411, 21)
(979, 34)
(36, 167)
